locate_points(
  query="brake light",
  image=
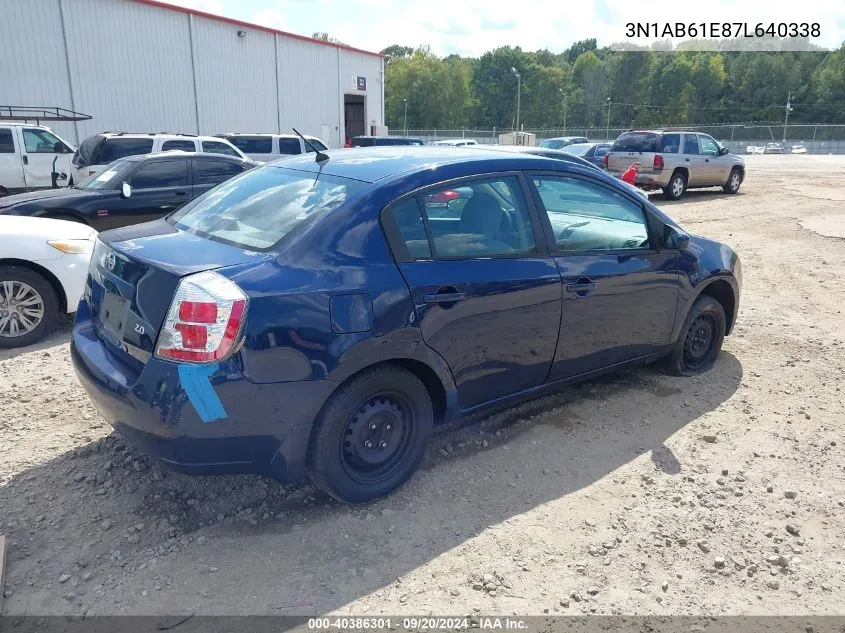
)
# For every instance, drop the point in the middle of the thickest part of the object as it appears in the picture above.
(204, 321)
(605, 159)
(658, 161)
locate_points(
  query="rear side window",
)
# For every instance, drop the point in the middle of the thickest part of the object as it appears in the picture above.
(289, 146)
(216, 147)
(637, 142)
(670, 144)
(258, 209)
(253, 144)
(114, 148)
(161, 173)
(185, 146)
(7, 144)
(601, 150)
(211, 172)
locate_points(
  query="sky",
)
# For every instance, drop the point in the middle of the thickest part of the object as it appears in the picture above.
(471, 27)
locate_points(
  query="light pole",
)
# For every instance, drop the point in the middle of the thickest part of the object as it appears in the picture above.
(518, 97)
(406, 116)
(564, 109)
(786, 117)
(607, 127)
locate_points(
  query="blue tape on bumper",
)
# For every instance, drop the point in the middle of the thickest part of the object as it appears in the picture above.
(200, 392)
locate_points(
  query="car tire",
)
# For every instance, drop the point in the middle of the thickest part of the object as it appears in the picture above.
(15, 279)
(734, 181)
(371, 435)
(700, 340)
(676, 188)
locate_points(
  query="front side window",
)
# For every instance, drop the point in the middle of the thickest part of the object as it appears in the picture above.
(258, 209)
(489, 219)
(289, 146)
(708, 145)
(114, 148)
(586, 216)
(161, 173)
(211, 172)
(216, 147)
(185, 146)
(7, 144)
(37, 141)
(691, 144)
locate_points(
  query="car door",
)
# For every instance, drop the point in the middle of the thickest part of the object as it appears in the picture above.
(486, 292)
(41, 150)
(694, 162)
(11, 166)
(717, 167)
(209, 172)
(620, 288)
(159, 186)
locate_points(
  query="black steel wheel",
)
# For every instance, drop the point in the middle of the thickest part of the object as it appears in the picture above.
(700, 340)
(371, 435)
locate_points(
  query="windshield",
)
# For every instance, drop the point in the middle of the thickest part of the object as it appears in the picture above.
(257, 209)
(579, 149)
(109, 177)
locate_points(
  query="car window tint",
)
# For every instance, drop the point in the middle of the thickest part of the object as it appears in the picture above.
(691, 144)
(289, 146)
(185, 146)
(317, 144)
(708, 145)
(670, 144)
(114, 148)
(637, 142)
(216, 147)
(482, 218)
(586, 216)
(601, 150)
(7, 144)
(37, 141)
(161, 173)
(211, 172)
(409, 222)
(253, 144)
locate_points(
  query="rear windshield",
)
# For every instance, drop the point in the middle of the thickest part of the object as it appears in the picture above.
(257, 209)
(650, 142)
(578, 149)
(114, 148)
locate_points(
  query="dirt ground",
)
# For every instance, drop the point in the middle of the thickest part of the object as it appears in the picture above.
(638, 493)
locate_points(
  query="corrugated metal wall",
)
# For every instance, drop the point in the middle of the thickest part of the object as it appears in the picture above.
(137, 67)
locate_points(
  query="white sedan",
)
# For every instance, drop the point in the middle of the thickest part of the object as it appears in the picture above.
(43, 268)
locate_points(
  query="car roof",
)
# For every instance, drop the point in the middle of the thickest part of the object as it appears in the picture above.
(228, 134)
(371, 164)
(545, 152)
(169, 135)
(183, 154)
(563, 138)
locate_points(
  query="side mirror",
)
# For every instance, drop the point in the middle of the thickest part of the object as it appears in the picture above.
(723, 151)
(125, 190)
(676, 238)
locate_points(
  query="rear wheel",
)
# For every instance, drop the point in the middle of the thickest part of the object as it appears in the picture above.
(734, 181)
(677, 186)
(700, 341)
(28, 307)
(371, 435)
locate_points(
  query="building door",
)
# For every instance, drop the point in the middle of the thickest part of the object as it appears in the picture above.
(353, 116)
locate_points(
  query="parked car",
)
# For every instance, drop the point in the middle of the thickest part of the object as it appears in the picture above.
(43, 266)
(455, 142)
(28, 155)
(308, 318)
(675, 161)
(592, 152)
(270, 147)
(97, 151)
(755, 149)
(372, 141)
(130, 190)
(799, 148)
(560, 142)
(773, 148)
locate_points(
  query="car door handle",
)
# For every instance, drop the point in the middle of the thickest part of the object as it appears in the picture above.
(445, 297)
(26, 160)
(686, 159)
(180, 193)
(582, 287)
(706, 160)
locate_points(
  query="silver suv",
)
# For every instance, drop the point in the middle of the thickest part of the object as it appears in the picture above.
(675, 161)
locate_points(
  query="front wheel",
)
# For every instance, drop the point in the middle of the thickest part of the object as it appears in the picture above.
(734, 181)
(700, 341)
(28, 307)
(371, 435)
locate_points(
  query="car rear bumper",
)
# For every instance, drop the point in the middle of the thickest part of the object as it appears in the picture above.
(200, 422)
(648, 181)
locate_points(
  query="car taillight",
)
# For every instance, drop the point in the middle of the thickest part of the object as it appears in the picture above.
(605, 159)
(204, 321)
(658, 161)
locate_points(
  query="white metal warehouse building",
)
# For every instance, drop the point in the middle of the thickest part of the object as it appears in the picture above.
(146, 66)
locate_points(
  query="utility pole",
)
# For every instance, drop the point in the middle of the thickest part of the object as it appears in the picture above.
(518, 97)
(564, 110)
(607, 127)
(406, 116)
(786, 116)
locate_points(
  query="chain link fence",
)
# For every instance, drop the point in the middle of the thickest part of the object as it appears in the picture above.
(816, 138)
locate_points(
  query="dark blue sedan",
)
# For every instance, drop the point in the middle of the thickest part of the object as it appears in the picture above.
(300, 319)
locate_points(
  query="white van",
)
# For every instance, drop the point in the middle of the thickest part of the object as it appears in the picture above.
(27, 156)
(97, 151)
(268, 147)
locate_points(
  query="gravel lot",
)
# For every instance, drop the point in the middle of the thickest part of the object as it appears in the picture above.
(638, 493)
